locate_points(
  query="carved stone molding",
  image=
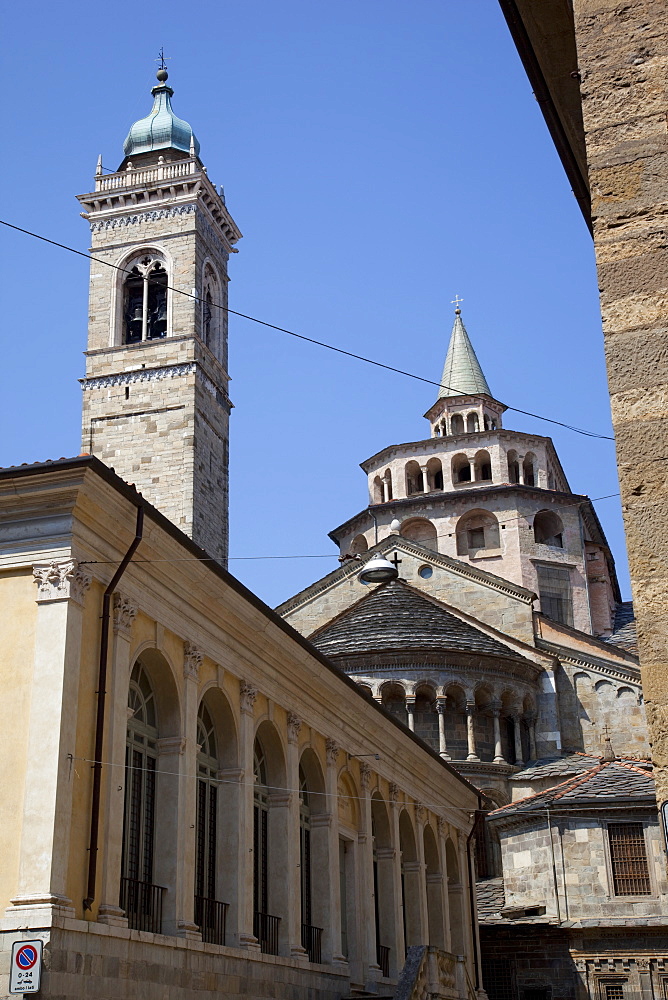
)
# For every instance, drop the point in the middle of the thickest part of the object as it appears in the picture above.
(247, 696)
(192, 660)
(171, 744)
(133, 220)
(61, 580)
(365, 774)
(124, 614)
(294, 725)
(332, 749)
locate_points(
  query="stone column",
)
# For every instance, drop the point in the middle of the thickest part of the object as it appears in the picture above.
(371, 969)
(498, 748)
(533, 755)
(169, 822)
(442, 746)
(387, 487)
(410, 710)
(520, 471)
(245, 856)
(421, 874)
(294, 914)
(332, 933)
(627, 148)
(185, 885)
(425, 478)
(517, 736)
(113, 784)
(470, 732)
(472, 467)
(441, 829)
(54, 696)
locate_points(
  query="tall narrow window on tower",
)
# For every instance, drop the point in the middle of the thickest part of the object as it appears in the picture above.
(554, 588)
(145, 300)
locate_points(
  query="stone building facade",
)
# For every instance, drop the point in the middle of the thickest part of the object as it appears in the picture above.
(598, 68)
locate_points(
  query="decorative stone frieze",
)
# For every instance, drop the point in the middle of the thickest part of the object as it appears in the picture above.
(125, 613)
(120, 221)
(192, 660)
(61, 580)
(247, 696)
(294, 725)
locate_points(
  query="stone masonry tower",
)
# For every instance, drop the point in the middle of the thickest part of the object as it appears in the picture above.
(155, 403)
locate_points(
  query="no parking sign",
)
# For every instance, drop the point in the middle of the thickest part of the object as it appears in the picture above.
(26, 968)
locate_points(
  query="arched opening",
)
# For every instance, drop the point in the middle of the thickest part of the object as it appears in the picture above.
(383, 888)
(216, 821)
(387, 481)
(483, 467)
(434, 474)
(457, 424)
(394, 700)
(211, 311)
(148, 877)
(419, 529)
(413, 478)
(483, 724)
(145, 299)
(472, 423)
(434, 875)
(486, 421)
(313, 856)
(454, 719)
(270, 831)
(507, 725)
(410, 882)
(359, 545)
(513, 467)
(477, 532)
(461, 469)
(455, 900)
(425, 717)
(529, 469)
(548, 529)
(377, 490)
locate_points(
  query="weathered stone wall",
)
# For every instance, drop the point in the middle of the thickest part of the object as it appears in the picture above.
(526, 957)
(623, 62)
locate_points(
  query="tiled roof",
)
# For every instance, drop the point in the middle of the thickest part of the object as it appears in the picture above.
(608, 781)
(462, 374)
(394, 617)
(624, 632)
(491, 897)
(554, 767)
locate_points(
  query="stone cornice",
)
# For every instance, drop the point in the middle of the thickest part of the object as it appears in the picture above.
(156, 374)
(617, 670)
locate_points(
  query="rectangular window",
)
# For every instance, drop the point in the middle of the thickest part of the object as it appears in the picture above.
(628, 860)
(554, 589)
(613, 991)
(477, 538)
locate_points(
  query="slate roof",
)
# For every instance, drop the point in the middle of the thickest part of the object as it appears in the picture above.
(491, 897)
(462, 374)
(624, 632)
(608, 781)
(394, 617)
(555, 767)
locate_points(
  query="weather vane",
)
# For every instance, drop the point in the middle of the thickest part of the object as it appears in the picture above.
(161, 58)
(455, 302)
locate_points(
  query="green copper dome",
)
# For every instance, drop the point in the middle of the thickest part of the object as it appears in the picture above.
(161, 129)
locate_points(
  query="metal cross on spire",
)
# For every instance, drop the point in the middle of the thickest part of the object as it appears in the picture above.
(456, 302)
(162, 59)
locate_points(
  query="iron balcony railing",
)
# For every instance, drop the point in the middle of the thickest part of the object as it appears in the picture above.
(211, 917)
(312, 942)
(383, 959)
(265, 929)
(142, 903)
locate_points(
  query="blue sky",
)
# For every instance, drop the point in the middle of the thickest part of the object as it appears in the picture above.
(379, 157)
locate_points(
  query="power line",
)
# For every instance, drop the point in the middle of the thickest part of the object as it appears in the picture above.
(301, 336)
(330, 555)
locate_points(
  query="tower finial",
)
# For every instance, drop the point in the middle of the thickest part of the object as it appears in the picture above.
(162, 73)
(455, 303)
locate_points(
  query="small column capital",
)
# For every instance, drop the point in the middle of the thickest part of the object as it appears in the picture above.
(125, 613)
(294, 726)
(61, 580)
(192, 660)
(332, 748)
(365, 774)
(247, 696)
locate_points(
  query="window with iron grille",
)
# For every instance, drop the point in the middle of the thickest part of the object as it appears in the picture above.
(498, 977)
(140, 762)
(613, 991)
(207, 806)
(628, 860)
(554, 589)
(260, 831)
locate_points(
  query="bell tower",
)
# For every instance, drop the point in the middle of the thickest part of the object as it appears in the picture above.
(155, 403)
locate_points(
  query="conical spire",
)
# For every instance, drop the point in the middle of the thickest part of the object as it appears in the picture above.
(161, 129)
(462, 374)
